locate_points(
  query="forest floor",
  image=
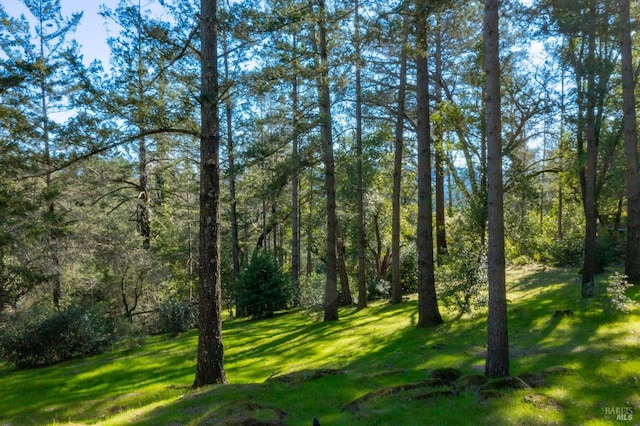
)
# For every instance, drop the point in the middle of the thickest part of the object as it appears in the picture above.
(577, 365)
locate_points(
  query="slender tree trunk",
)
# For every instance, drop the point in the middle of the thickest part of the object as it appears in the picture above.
(632, 261)
(497, 364)
(441, 231)
(274, 226)
(51, 207)
(560, 228)
(428, 313)
(362, 243)
(233, 208)
(345, 290)
(396, 286)
(209, 366)
(481, 200)
(3, 291)
(144, 225)
(295, 201)
(309, 267)
(142, 207)
(590, 213)
(295, 227)
(331, 285)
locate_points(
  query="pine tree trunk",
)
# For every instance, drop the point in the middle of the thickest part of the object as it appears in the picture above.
(295, 201)
(233, 207)
(441, 231)
(632, 262)
(362, 243)
(589, 198)
(497, 364)
(331, 284)
(396, 286)
(144, 225)
(142, 207)
(51, 207)
(209, 366)
(428, 313)
(345, 290)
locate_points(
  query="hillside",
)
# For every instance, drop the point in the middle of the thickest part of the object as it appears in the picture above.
(372, 367)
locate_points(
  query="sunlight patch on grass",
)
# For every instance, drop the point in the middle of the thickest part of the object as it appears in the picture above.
(592, 358)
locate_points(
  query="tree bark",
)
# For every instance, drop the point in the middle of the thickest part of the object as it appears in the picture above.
(345, 290)
(295, 201)
(362, 244)
(209, 367)
(51, 207)
(590, 214)
(396, 286)
(142, 206)
(441, 231)
(428, 313)
(233, 208)
(632, 261)
(331, 284)
(497, 363)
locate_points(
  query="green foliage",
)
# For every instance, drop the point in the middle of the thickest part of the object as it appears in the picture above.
(613, 298)
(462, 279)
(609, 250)
(39, 336)
(174, 316)
(378, 288)
(312, 290)
(408, 273)
(262, 287)
(565, 252)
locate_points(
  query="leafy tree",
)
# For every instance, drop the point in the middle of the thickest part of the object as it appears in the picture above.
(588, 49)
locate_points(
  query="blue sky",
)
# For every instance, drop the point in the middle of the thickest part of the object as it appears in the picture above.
(92, 32)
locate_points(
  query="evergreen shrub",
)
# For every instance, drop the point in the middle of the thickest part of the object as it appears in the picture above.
(175, 316)
(263, 287)
(40, 336)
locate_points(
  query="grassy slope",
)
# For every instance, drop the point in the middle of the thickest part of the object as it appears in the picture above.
(373, 348)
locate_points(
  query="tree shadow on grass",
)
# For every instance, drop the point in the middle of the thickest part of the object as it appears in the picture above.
(93, 388)
(375, 348)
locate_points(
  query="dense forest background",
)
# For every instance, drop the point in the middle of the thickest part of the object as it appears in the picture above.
(99, 173)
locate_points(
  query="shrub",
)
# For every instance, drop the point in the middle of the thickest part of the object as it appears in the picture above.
(44, 336)
(462, 279)
(613, 298)
(566, 252)
(174, 316)
(378, 288)
(312, 290)
(262, 287)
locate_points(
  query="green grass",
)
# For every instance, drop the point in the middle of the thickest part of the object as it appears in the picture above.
(372, 349)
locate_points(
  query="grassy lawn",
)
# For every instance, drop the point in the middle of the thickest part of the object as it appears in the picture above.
(588, 363)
